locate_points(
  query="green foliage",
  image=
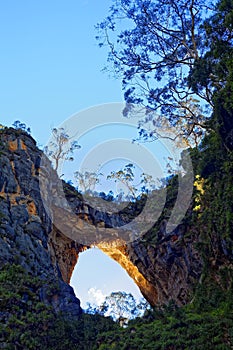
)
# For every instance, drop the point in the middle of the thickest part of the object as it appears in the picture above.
(207, 323)
(213, 72)
(27, 323)
(93, 325)
(25, 318)
(175, 328)
(214, 221)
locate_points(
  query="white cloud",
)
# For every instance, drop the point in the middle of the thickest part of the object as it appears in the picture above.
(96, 296)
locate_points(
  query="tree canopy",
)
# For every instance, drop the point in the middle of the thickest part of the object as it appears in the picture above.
(169, 56)
(214, 71)
(119, 306)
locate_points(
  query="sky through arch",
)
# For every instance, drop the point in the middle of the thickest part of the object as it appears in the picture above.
(96, 276)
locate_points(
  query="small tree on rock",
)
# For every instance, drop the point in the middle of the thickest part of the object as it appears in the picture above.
(21, 126)
(60, 148)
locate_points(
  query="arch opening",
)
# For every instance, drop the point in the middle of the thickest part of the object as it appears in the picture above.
(96, 275)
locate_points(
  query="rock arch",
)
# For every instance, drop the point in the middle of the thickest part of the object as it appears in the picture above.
(52, 233)
(163, 271)
(65, 253)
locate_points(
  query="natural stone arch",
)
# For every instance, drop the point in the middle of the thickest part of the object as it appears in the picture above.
(166, 270)
(162, 273)
(65, 253)
(53, 229)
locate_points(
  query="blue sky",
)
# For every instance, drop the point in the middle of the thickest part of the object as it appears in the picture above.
(50, 68)
(50, 63)
(97, 275)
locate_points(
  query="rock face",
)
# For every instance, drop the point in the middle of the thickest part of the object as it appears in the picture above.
(25, 228)
(46, 242)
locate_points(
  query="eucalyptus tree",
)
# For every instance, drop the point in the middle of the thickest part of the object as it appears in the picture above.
(60, 147)
(153, 46)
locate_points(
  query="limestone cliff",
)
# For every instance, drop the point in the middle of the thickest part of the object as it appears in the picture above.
(47, 242)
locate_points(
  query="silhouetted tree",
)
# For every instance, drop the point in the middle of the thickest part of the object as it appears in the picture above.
(22, 126)
(153, 45)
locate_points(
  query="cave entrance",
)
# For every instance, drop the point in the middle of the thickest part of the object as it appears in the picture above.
(96, 275)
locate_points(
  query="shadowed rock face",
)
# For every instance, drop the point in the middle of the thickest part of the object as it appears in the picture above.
(25, 228)
(47, 242)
